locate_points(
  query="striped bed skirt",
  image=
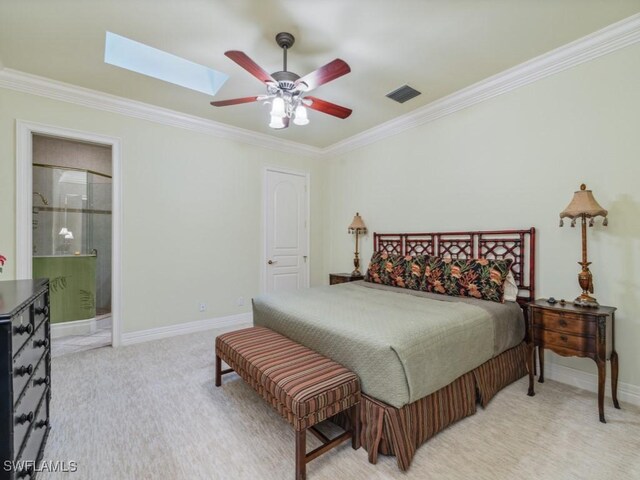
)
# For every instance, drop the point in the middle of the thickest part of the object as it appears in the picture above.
(400, 431)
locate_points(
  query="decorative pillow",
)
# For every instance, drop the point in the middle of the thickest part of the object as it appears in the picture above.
(510, 288)
(479, 278)
(396, 270)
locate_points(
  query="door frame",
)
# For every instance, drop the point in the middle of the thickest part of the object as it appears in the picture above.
(24, 203)
(265, 202)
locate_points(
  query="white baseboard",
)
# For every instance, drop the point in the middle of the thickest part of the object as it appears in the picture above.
(75, 327)
(589, 381)
(239, 320)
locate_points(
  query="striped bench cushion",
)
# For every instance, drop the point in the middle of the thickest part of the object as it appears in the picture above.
(304, 386)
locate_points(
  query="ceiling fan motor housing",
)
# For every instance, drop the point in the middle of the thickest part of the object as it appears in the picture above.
(286, 80)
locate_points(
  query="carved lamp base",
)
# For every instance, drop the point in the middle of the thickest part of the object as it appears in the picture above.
(356, 263)
(586, 300)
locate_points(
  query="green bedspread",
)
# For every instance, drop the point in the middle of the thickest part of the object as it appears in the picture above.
(403, 344)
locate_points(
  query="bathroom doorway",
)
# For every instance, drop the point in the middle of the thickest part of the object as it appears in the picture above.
(72, 239)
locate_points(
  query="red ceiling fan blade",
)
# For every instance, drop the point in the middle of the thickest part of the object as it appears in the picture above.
(234, 101)
(328, 107)
(250, 66)
(330, 71)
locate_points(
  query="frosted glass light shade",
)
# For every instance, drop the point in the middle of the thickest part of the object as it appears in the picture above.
(63, 231)
(276, 122)
(277, 109)
(301, 116)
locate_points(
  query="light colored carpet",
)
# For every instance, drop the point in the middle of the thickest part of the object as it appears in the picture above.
(79, 343)
(151, 411)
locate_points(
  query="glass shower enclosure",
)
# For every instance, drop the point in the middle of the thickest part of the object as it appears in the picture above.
(72, 240)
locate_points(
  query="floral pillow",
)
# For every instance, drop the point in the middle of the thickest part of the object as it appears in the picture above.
(479, 278)
(396, 270)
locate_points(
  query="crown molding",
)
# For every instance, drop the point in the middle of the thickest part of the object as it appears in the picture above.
(607, 40)
(602, 42)
(45, 87)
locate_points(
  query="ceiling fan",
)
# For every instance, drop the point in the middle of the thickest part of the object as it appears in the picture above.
(287, 91)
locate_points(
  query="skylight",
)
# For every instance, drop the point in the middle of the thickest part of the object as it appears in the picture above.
(138, 57)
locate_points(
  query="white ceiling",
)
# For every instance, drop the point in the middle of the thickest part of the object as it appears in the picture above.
(436, 46)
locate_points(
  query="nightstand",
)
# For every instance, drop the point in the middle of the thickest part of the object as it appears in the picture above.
(573, 331)
(336, 278)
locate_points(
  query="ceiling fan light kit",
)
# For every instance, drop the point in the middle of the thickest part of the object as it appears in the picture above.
(287, 91)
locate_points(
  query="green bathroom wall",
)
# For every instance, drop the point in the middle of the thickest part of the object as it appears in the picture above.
(72, 285)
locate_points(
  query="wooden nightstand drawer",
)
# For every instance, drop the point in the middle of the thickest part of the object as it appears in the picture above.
(577, 343)
(338, 278)
(565, 322)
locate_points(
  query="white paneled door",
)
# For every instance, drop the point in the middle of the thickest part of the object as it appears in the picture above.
(287, 238)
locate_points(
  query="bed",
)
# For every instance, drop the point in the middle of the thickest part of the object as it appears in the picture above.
(424, 360)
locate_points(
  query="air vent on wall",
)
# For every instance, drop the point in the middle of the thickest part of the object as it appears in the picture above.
(402, 94)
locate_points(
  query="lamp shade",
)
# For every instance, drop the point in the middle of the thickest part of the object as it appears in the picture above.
(583, 203)
(357, 225)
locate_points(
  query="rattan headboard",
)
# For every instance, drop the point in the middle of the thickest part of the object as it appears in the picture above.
(519, 245)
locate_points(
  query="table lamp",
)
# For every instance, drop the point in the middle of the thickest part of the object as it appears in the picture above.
(584, 206)
(358, 227)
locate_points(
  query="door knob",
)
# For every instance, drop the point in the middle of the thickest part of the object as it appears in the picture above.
(271, 262)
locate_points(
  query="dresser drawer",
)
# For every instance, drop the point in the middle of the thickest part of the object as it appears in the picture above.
(21, 328)
(26, 361)
(577, 343)
(34, 442)
(40, 309)
(565, 322)
(26, 408)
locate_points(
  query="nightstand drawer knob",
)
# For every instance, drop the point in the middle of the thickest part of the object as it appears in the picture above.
(564, 338)
(562, 322)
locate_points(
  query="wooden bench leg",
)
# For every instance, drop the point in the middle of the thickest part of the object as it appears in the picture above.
(218, 371)
(301, 455)
(355, 426)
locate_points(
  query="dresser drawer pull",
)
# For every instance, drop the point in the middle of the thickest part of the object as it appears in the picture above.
(562, 322)
(564, 338)
(25, 472)
(42, 310)
(41, 424)
(41, 343)
(24, 418)
(22, 329)
(41, 381)
(24, 370)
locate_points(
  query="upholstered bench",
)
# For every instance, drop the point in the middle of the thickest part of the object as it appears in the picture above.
(305, 387)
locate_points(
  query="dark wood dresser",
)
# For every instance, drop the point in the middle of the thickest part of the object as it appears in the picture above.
(336, 278)
(25, 370)
(573, 331)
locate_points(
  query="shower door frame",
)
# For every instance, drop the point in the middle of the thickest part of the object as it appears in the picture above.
(24, 204)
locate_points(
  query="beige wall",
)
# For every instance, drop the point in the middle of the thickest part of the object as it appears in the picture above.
(514, 162)
(192, 211)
